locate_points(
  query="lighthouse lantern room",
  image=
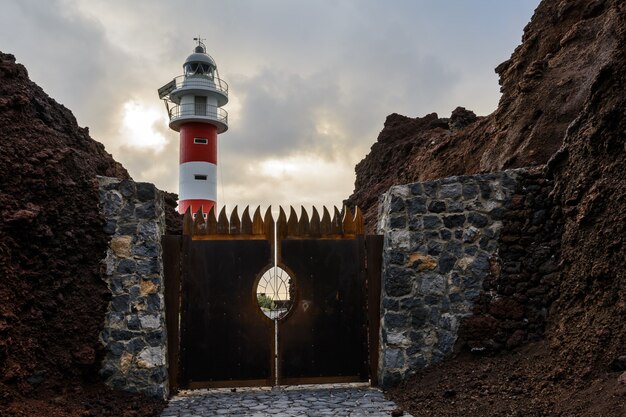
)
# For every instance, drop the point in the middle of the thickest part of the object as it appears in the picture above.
(194, 103)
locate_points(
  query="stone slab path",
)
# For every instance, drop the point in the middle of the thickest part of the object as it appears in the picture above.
(301, 400)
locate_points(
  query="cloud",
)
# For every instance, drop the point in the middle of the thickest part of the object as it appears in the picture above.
(69, 56)
(279, 113)
(311, 82)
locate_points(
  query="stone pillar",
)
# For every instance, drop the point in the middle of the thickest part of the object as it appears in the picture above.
(440, 241)
(134, 332)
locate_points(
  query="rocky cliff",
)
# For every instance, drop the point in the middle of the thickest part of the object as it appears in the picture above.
(563, 106)
(587, 325)
(52, 298)
(545, 85)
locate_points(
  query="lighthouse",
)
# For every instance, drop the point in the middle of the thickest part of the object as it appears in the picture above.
(194, 103)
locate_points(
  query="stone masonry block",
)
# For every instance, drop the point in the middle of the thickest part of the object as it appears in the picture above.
(127, 188)
(112, 203)
(432, 222)
(450, 191)
(433, 284)
(121, 246)
(416, 205)
(395, 321)
(437, 206)
(394, 359)
(416, 188)
(151, 357)
(399, 281)
(146, 191)
(453, 221)
(470, 190)
(397, 204)
(422, 262)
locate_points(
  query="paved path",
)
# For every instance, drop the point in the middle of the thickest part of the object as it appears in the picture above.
(303, 400)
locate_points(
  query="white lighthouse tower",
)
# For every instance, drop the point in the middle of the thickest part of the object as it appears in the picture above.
(193, 101)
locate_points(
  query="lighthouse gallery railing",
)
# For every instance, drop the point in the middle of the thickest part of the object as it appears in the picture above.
(183, 81)
(202, 110)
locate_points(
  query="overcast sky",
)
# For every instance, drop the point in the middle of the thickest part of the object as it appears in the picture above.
(311, 82)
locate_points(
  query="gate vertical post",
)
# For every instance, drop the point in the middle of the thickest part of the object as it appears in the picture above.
(363, 279)
(374, 250)
(183, 377)
(172, 269)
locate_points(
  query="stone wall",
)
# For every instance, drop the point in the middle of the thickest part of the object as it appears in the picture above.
(441, 242)
(517, 294)
(134, 332)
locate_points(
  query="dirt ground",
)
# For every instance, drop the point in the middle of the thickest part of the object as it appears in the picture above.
(85, 400)
(527, 382)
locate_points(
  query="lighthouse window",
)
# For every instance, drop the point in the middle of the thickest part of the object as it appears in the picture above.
(200, 141)
(191, 68)
(200, 177)
(200, 104)
(194, 68)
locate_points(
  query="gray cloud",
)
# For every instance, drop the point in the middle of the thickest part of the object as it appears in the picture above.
(311, 82)
(279, 112)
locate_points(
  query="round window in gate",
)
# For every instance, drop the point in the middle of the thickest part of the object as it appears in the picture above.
(276, 292)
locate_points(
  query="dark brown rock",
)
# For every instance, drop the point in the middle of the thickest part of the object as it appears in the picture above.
(563, 104)
(52, 298)
(545, 85)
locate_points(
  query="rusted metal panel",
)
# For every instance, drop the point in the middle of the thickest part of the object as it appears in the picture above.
(227, 341)
(221, 228)
(325, 335)
(321, 380)
(171, 273)
(362, 263)
(344, 225)
(226, 338)
(374, 246)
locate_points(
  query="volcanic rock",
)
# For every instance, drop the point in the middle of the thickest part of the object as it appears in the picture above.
(52, 298)
(562, 109)
(545, 85)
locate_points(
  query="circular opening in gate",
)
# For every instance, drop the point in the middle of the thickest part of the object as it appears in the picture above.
(275, 292)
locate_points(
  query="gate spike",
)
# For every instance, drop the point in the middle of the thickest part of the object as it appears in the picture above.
(325, 227)
(281, 228)
(257, 222)
(235, 223)
(336, 224)
(268, 223)
(358, 221)
(349, 227)
(303, 224)
(246, 222)
(315, 228)
(211, 222)
(222, 222)
(199, 226)
(292, 224)
(187, 222)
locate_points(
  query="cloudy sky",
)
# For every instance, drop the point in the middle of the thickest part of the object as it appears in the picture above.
(311, 82)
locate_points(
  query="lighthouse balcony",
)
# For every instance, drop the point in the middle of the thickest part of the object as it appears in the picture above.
(198, 112)
(198, 85)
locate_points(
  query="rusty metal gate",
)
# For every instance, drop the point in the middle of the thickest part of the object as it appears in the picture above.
(225, 331)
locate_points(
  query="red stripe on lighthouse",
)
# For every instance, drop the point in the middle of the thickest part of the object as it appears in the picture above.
(191, 151)
(195, 205)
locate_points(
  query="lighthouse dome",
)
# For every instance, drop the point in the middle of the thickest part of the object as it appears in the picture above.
(199, 63)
